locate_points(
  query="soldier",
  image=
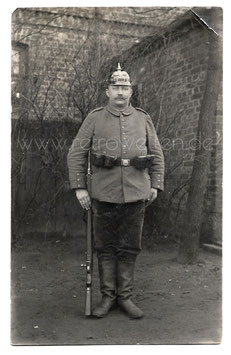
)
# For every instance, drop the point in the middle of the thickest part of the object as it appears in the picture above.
(127, 172)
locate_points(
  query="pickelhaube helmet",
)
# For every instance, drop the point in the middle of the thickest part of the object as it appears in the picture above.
(119, 77)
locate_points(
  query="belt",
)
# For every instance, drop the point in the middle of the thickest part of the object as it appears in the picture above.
(124, 162)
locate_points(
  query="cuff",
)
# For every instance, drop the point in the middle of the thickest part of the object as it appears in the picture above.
(79, 182)
(157, 182)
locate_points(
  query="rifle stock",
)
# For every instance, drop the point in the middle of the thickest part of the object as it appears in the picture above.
(89, 266)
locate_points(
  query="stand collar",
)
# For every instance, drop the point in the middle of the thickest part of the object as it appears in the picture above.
(127, 111)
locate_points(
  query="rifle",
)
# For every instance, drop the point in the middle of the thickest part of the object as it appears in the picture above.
(89, 253)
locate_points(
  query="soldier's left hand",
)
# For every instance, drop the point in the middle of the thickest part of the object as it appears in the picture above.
(152, 197)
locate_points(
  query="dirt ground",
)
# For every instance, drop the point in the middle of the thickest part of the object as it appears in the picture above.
(182, 303)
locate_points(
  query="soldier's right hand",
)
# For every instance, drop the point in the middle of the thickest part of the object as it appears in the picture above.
(84, 198)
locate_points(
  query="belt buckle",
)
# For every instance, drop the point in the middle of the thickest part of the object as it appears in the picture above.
(125, 162)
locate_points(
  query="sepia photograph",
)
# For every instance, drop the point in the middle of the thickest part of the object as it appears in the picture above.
(116, 175)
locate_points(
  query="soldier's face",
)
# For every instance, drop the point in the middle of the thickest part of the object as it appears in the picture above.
(119, 96)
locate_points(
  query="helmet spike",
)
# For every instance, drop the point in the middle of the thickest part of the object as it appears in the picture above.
(119, 67)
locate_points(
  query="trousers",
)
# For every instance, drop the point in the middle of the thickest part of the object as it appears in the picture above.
(118, 229)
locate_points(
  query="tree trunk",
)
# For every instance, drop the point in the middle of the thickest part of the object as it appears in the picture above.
(192, 219)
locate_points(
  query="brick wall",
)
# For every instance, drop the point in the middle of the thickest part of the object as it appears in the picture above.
(156, 17)
(63, 41)
(62, 44)
(170, 76)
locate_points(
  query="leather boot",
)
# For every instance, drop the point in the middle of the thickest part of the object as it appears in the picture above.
(107, 276)
(125, 275)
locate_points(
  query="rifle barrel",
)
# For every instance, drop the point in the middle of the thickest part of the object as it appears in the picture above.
(89, 254)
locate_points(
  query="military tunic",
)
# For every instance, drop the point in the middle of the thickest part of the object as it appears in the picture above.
(121, 134)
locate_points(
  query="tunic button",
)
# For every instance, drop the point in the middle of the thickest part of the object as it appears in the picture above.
(122, 126)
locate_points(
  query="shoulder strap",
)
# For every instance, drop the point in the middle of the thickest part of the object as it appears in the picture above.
(140, 109)
(97, 109)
